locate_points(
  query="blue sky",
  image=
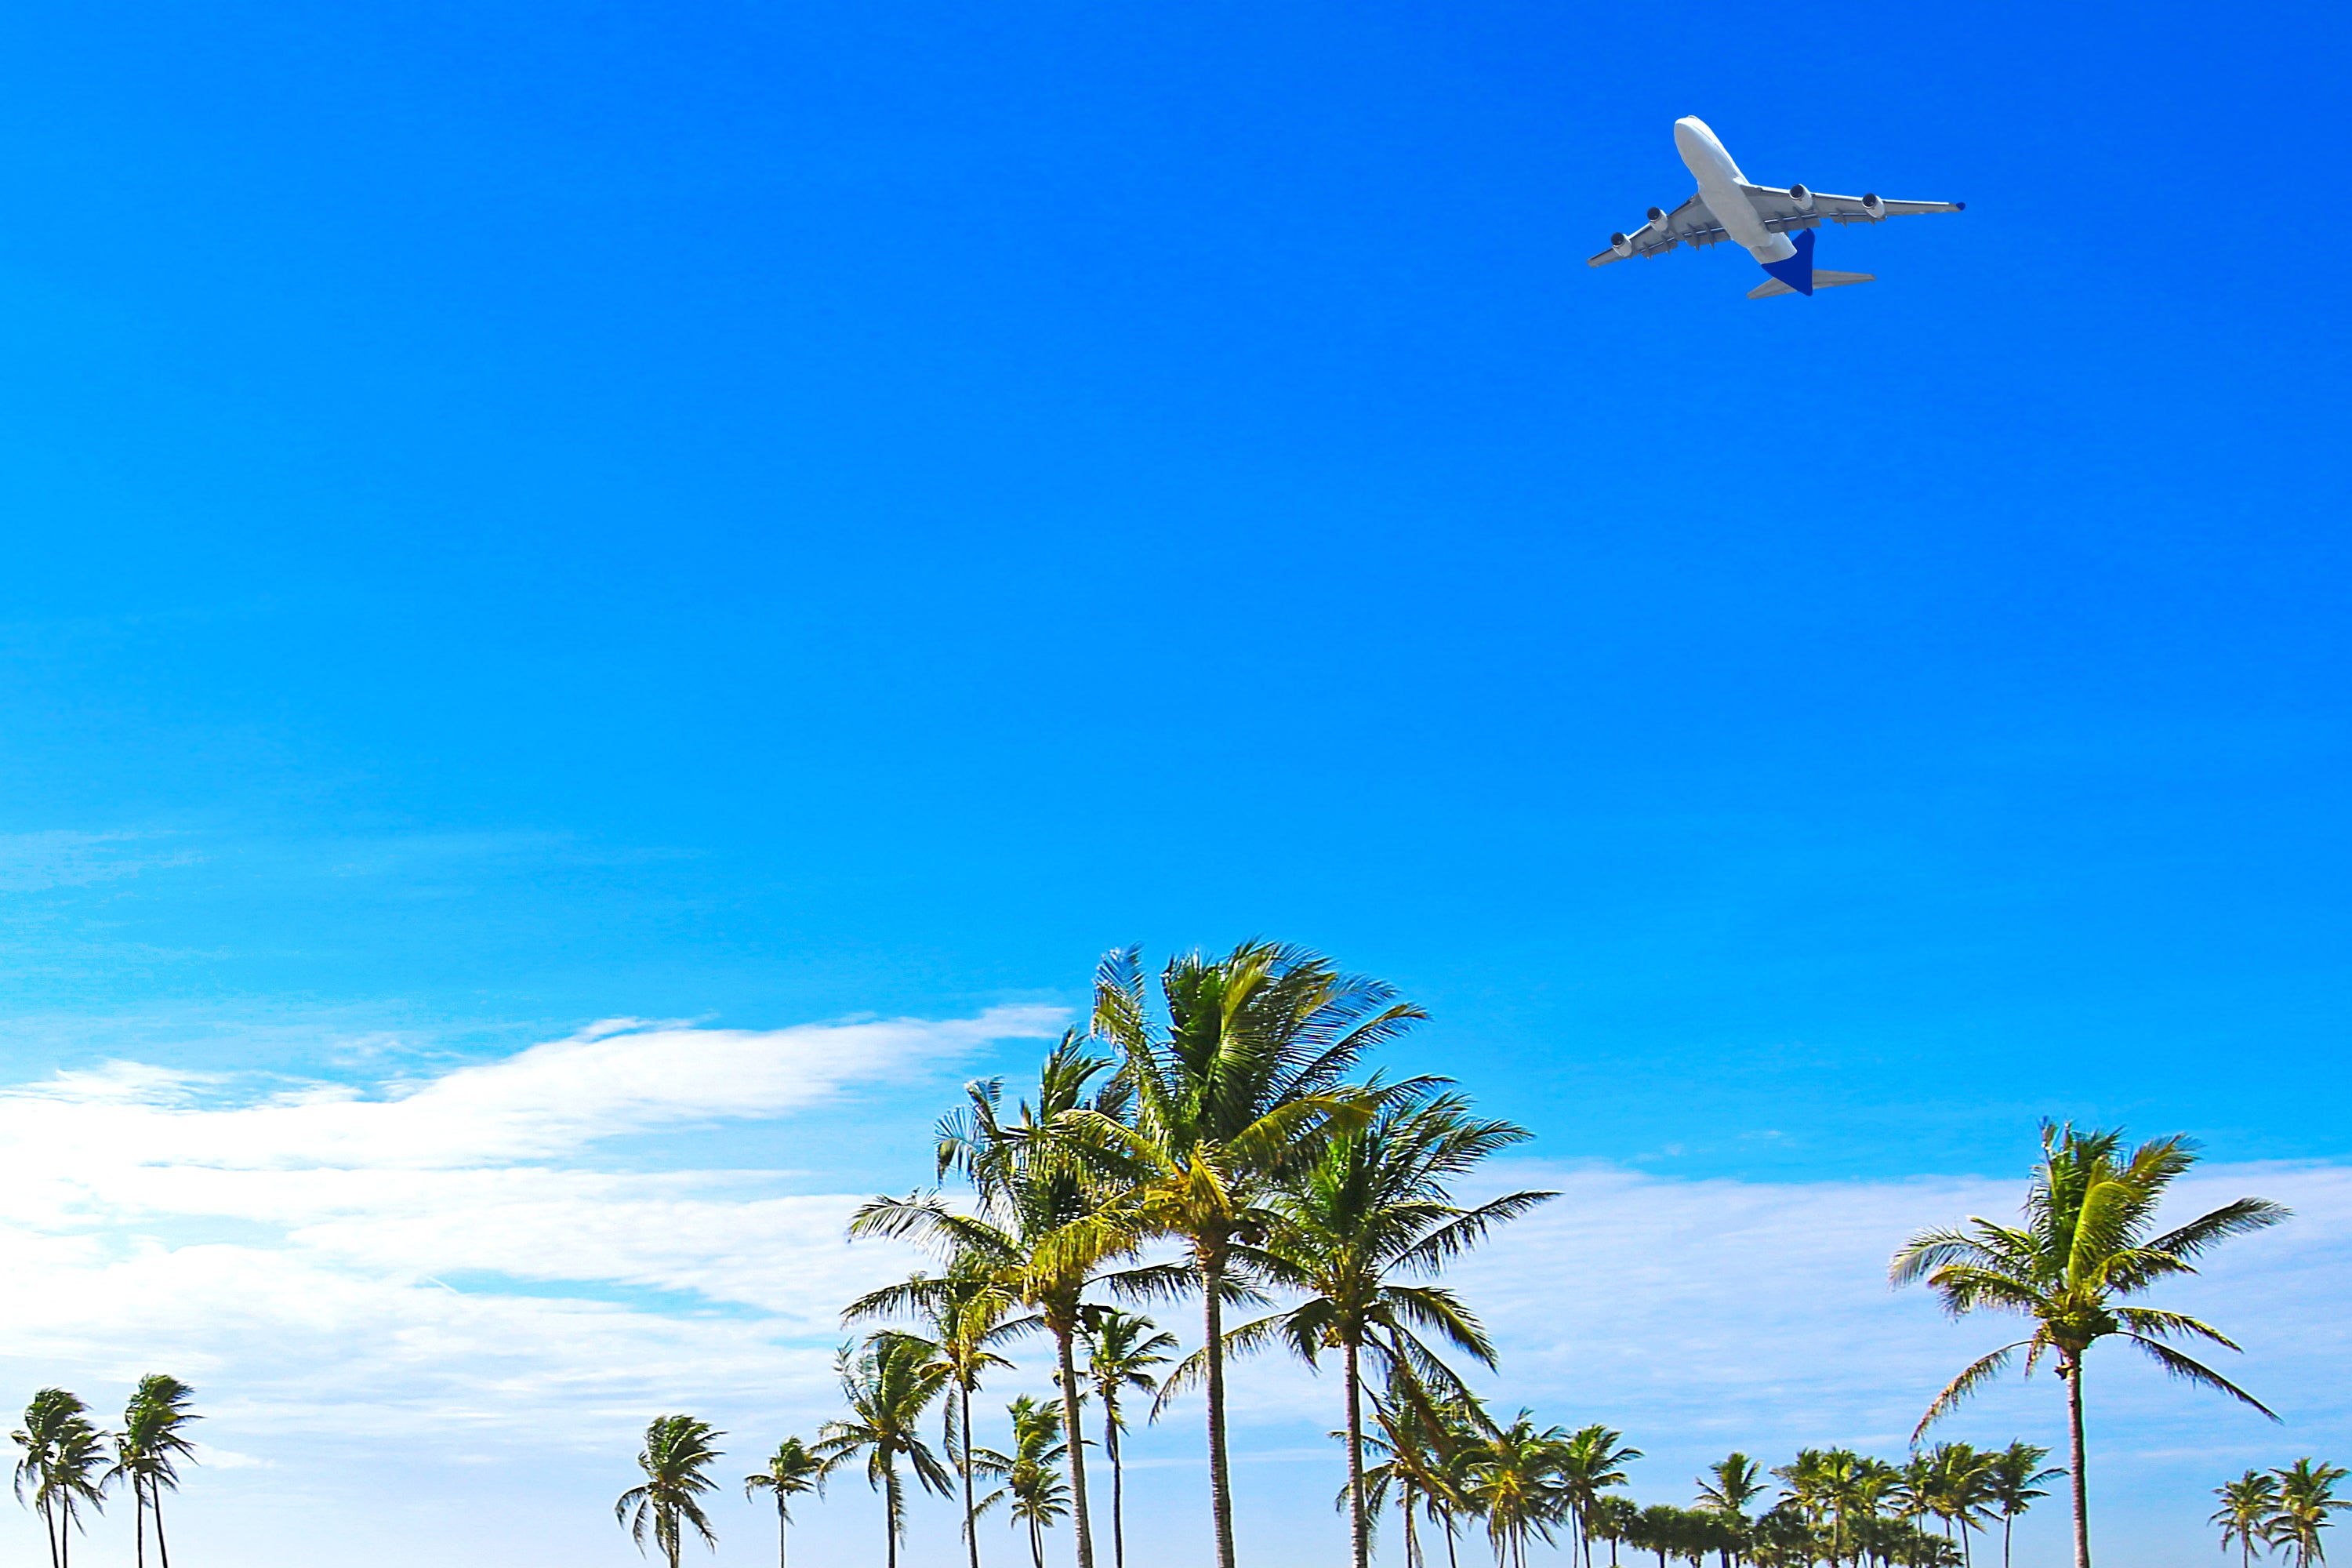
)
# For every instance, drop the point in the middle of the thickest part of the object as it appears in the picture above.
(526, 515)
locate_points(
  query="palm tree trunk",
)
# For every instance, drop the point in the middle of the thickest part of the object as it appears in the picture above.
(2008, 1522)
(890, 1518)
(1063, 1335)
(2071, 1369)
(162, 1547)
(1360, 1537)
(1118, 1481)
(139, 1516)
(1221, 1486)
(1411, 1536)
(971, 1519)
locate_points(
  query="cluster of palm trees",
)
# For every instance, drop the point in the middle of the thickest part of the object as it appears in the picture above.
(1212, 1139)
(1217, 1146)
(2284, 1508)
(1450, 1465)
(67, 1463)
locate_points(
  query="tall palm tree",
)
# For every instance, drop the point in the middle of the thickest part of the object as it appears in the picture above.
(1121, 1350)
(1514, 1482)
(2307, 1496)
(1238, 1089)
(1730, 1483)
(793, 1470)
(1374, 1208)
(2014, 1476)
(62, 1452)
(889, 1385)
(1591, 1462)
(1045, 1226)
(1033, 1481)
(147, 1452)
(1425, 1445)
(676, 1460)
(966, 1310)
(2089, 1240)
(1959, 1490)
(2248, 1504)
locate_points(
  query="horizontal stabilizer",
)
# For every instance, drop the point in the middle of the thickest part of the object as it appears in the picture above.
(1773, 285)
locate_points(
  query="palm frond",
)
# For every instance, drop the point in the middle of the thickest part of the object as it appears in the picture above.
(2188, 1371)
(1977, 1373)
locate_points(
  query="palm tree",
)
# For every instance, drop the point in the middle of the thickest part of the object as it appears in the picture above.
(1032, 1483)
(1121, 1349)
(1426, 1444)
(62, 1453)
(1374, 1206)
(1043, 1227)
(889, 1385)
(2015, 1472)
(1730, 1483)
(2248, 1504)
(1239, 1090)
(1614, 1519)
(793, 1470)
(1958, 1489)
(966, 1310)
(2086, 1244)
(1592, 1461)
(1514, 1482)
(147, 1452)
(2307, 1496)
(676, 1460)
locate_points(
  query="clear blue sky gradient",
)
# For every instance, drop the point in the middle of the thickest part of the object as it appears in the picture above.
(524, 513)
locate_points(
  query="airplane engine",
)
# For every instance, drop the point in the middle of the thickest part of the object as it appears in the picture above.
(1802, 197)
(1873, 205)
(1658, 215)
(1620, 245)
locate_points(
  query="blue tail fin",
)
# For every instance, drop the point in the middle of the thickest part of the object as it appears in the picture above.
(1797, 271)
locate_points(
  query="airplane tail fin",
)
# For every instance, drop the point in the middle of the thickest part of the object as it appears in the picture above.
(1796, 274)
(1796, 271)
(1771, 287)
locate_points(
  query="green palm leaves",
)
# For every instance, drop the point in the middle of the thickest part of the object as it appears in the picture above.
(795, 1470)
(889, 1384)
(148, 1450)
(1047, 1218)
(61, 1451)
(1237, 1085)
(2089, 1242)
(1350, 1232)
(1031, 1475)
(676, 1460)
(2285, 1507)
(1121, 1350)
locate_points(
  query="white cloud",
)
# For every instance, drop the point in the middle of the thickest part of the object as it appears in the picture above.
(549, 1100)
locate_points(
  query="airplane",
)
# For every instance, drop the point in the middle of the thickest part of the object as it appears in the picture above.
(1759, 217)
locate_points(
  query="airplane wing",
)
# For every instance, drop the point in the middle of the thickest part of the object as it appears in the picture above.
(1784, 210)
(1689, 224)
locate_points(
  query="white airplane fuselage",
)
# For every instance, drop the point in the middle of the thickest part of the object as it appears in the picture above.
(1720, 182)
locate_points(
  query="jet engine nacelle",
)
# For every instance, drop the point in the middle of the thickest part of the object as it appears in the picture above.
(1658, 215)
(1873, 205)
(1620, 245)
(1802, 197)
